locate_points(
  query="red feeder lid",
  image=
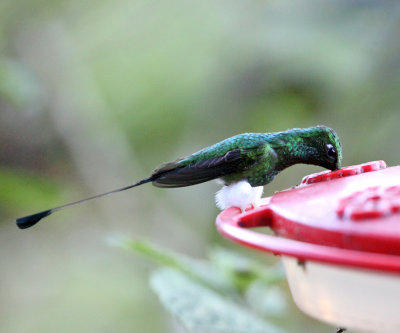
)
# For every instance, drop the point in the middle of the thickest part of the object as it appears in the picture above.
(347, 217)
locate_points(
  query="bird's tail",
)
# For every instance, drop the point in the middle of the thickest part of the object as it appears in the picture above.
(30, 220)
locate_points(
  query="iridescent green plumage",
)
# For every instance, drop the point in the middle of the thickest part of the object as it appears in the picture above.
(255, 158)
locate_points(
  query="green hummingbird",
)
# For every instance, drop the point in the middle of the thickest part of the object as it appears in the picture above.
(243, 163)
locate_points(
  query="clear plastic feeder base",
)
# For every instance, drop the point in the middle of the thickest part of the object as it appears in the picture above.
(345, 297)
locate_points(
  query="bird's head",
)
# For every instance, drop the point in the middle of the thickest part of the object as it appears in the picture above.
(327, 149)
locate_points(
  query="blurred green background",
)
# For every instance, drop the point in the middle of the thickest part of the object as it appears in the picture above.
(94, 95)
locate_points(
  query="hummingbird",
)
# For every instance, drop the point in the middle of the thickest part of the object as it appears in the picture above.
(243, 164)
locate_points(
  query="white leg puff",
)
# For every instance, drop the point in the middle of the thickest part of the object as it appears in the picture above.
(240, 194)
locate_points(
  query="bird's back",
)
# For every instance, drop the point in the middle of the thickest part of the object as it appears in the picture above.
(241, 141)
(225, 158)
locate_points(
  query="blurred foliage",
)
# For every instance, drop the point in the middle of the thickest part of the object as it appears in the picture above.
(17, 85)
(201, 309)
(206, 296)
(197, 270)
(94, 95)
(26, 191)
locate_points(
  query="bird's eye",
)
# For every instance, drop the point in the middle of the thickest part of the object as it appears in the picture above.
(331, 151)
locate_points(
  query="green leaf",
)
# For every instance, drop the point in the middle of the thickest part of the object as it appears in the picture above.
(202, 309)
(266, 300)
(198, 270)
(243, 271)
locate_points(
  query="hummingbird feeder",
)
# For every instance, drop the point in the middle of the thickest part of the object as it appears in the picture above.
(338, 235)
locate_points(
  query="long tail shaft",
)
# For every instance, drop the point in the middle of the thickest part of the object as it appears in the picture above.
(30, 220)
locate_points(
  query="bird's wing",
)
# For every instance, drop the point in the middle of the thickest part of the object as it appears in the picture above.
(174, 174)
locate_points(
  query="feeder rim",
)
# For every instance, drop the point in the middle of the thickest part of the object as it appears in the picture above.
(229, 225)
